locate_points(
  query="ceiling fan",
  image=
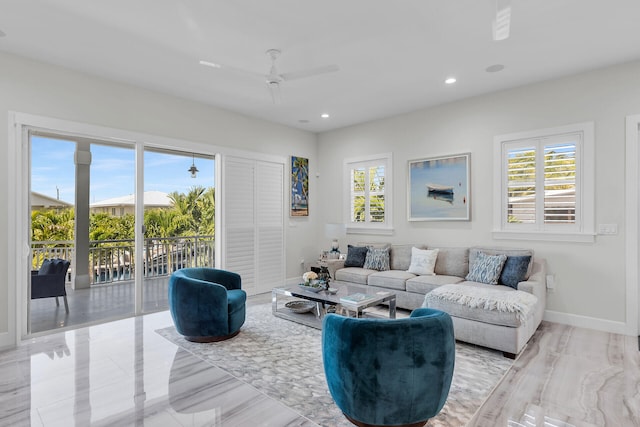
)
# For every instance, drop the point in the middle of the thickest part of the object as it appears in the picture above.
(274, 78)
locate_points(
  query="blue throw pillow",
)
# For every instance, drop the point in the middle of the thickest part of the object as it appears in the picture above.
(486, 268)
(356, 256)
(377, 259)
(514, 270)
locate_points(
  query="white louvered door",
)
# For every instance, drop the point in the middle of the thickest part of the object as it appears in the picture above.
(270, 225)
(253, 209)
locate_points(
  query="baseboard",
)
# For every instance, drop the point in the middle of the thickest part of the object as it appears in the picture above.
(586, 322)
(6, 341)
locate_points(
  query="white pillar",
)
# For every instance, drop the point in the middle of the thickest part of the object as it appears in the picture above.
(81, 272)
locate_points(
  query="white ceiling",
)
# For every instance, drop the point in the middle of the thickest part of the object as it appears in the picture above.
(393, 55)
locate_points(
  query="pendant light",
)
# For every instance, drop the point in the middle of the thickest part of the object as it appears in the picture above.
(193, 169)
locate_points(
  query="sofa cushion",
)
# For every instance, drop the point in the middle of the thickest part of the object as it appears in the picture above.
(423, 261)
(377, 259)
(514, 270)
(495, 250)
(354, 275)
(486, 268)
(391, 279)
(452, 262)
(355, 256)
(425, 284)
(400, 256)
(489, 308)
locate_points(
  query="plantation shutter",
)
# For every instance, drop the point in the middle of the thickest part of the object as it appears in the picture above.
(253, 200)
(560, 183)
(270, 225)
(541, 181)
(521, 185)
(367, 193)
(358, 194)
(376, 193)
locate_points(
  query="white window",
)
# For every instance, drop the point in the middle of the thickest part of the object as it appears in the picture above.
(368, 198)
(544, 185)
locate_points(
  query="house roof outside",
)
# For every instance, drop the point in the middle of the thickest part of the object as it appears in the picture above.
(39, 199)
(151, 198)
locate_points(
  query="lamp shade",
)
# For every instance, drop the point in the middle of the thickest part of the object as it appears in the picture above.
(335, 231)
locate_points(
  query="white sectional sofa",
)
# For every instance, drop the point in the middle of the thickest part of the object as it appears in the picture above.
(490, 315)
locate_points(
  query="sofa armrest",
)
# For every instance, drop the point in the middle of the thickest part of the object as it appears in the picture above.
(333, 265)
(536, 284)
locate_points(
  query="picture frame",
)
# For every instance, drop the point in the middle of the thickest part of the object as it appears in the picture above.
(299, 185)
(438, 188)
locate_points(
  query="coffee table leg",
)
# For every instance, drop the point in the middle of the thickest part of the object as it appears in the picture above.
(392, 309)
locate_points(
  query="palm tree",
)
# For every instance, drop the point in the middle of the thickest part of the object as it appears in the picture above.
(207, 208)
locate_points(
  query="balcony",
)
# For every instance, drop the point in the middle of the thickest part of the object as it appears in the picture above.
(111, 293)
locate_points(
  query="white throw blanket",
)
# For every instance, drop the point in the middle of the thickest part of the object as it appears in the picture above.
(519, 302)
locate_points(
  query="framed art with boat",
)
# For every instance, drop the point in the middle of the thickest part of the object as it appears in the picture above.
(438, 188)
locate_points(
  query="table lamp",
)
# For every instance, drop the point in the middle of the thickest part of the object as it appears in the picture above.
(335, 232)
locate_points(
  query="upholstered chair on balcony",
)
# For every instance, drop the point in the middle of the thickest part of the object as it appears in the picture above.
(206, 304)
(384, 372)
(49, 281)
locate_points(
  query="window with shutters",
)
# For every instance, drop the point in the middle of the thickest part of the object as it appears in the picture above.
(367, 197)
(545, 184)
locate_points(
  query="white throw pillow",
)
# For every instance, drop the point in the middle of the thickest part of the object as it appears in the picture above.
(423, 261)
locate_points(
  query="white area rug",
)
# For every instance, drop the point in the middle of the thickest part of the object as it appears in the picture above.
(283, 359)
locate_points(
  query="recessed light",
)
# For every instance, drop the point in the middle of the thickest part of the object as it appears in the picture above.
(494, 68)
(324, 115)
(450, 80)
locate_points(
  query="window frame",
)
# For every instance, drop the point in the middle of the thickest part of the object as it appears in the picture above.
(583, 230)
(368, 227)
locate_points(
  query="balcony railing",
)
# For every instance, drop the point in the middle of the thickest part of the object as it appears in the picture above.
(114, 260)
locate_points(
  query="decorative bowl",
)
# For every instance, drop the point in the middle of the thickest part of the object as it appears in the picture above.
(300, 306)
(332, 291)
(313, 287)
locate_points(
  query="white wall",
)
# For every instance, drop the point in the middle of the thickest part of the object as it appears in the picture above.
(590, 278)
(35, 88)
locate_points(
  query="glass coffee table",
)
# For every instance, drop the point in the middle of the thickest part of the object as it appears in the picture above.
(309, 308)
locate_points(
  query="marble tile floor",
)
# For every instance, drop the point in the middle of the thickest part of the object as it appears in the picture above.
(122, 373)
(567, 377)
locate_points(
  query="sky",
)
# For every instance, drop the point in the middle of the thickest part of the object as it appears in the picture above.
(112, 170)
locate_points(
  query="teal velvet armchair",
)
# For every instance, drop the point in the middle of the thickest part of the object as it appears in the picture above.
(206, 304)
(384, 372)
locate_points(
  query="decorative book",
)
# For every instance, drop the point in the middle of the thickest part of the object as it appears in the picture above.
(357, 298)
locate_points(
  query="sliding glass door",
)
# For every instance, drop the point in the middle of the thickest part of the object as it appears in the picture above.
(179, 212)
(81, 210)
